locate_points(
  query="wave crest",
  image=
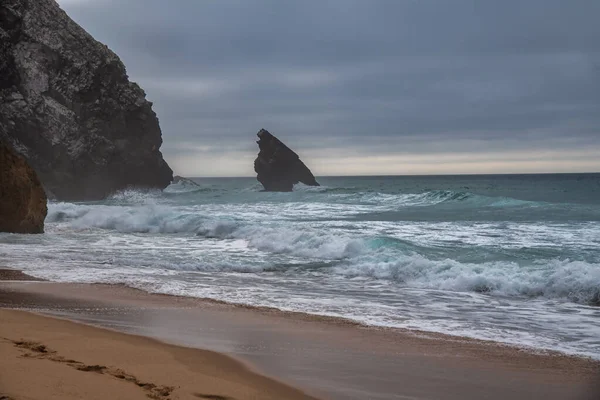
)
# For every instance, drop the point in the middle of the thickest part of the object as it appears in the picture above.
(577, 281)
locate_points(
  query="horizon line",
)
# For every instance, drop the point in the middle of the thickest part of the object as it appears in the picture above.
(408, 175)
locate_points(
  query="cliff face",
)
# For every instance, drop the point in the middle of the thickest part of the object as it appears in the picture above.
(278, 167)
(67, 105)
(22, 197)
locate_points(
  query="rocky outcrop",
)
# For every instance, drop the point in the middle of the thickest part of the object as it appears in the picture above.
(22, 197)
(67, 105)
(278, 167)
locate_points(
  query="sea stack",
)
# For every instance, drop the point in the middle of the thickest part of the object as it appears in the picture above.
(22, 197)
(278, 167)
(67, 105)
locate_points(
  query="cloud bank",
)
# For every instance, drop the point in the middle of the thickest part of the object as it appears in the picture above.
(365, 87)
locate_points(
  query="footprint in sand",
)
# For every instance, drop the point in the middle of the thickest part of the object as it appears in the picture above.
(40, 351)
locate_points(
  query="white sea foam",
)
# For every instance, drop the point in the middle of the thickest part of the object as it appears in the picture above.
(148, 218)
(183, 186)
(574, 280)
(354, 253)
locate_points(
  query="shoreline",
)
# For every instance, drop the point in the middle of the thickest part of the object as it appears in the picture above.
(317, 354)
(343, 321)
(300, 315)
(8, 274)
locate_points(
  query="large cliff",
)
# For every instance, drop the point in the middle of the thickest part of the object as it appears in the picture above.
(67, 105)
(22, 198)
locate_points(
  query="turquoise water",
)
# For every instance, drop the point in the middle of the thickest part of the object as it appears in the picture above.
(512, 258)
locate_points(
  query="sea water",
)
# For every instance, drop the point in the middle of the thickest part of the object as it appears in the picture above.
(510, 258)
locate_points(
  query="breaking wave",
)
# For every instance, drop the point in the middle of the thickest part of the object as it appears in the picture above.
(576, 281)
(348, 251)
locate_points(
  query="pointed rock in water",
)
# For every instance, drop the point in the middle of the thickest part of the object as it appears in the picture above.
(67, 105)
(278, 167)
(22, 198)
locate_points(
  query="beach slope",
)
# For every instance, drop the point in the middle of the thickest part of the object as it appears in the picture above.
(48, 358)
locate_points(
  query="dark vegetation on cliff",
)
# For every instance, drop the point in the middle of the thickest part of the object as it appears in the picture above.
(22, 197)
(67, 105)
(278, 167)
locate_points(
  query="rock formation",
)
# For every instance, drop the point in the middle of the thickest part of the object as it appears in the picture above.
(67, 105)
(278, 167)
(22, 197)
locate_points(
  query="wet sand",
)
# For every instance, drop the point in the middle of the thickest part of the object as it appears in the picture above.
(50, 358)
(325, 357)
(7, 274)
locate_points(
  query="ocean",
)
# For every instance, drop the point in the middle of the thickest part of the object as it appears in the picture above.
(509, 258)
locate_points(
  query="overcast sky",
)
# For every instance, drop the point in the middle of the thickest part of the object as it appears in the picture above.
(365, 87)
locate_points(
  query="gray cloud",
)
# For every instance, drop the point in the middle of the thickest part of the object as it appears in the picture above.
(362, 79)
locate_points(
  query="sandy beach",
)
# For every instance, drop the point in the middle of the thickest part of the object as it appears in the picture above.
(230, 350)
(48, 358)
